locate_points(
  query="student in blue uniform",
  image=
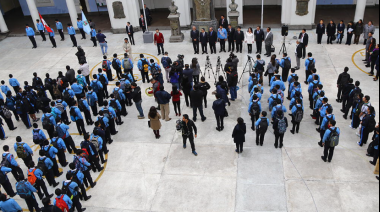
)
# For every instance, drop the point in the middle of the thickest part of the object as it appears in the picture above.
(59, 26)
(52, 37)
(41, 29)
(80, 27)
(40, 183)
(93, 36)
(31, 34)
(5, 184)
(76, 116)
(62, 197)
(8, 205)
(72, 33)
(78, 177)
(328, 153)
(25, 190)
(72, 188)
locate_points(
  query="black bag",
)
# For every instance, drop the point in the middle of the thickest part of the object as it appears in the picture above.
(272, 49)
(371, 149)
(149, 124)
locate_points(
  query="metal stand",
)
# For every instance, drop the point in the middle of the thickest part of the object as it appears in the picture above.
(283, 48)
(249, 64)
(208, 67)
(219, 68)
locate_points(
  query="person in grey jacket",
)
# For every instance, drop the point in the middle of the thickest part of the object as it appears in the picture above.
(196, 70)
(268, 41)
(271, 68)
(367, 29)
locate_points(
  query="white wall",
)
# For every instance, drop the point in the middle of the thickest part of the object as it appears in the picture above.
(291, 18)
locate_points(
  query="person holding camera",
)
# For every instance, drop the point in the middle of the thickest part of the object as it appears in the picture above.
(189, 131)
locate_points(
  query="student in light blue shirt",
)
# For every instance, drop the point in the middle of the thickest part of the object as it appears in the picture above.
(65, 198)
(279, 106)
(76, 116)
(27, 189)
(80, 27)
(102, 77)
(222, 37)
(27, 149)
(59, 26)
(298, 108)
(73, 188)
(40, 180)
(79, 176)
(63, 132)
(51, 167)
(92, 100)
(329, 151)
(52, 37)
(278, 82)
(311, 77)
(41, 28)
(4, 88)
(77, 89)
(296, 96)
(30, 33)
(308, 64)
(262, 126)
(6, 185)
(72, 33)
(285, 70)
(8, 205)
(14, 83)
(93, 37)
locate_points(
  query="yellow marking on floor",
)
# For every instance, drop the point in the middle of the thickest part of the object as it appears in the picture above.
(353, 61)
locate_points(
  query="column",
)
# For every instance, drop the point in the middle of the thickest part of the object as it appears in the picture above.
(33, 11)
(184, 8)
(240, 9)
(3, 25)
(133, 13)
(295, 21)
(360, 10)
(72, 12)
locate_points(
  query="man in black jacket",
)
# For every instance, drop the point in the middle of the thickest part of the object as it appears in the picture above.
(239, 39)
(331, 30)
(204, 40)
(346, 93)
(223, 22)
(321, 30)
(136, 96)
(343, 80)
(230, 37)
(213, 39)
(351, 96)
(194, 34)
(189, 131)
(304, 41)
(298, 55)
(142, 23)
(219, 107)
(70, 74)
(232, 83)
(259, 39)
(196, 96)
(130, 32)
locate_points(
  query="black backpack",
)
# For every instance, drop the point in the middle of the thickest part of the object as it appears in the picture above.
(73, 113)
(287, 64)
(274, 102)
(4, 161)
(311, 65)
(371, 123)
(46, 124)
(299, 115)
(66, 96)
(263, 126)
(66, 189)
(113, 104)
(81, 105)
(42, 166)
(102, 79)
(115, 65)
(255, 109)
(344, 80)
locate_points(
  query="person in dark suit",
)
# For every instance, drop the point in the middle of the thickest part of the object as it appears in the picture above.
(304, 41)
(239, 39)
(130, 32)
(341, 27)
(194, 34)
(223, 22)
(298, 55)
(239, 135)
(203, 37)
(148, 15)
(230, 37)
(331, 30)
(213, 39)
(321, 30)
(259, 38)
(142, 23)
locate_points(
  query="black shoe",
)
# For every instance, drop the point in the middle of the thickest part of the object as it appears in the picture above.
(371, 162)
(323, 158)
(318, 130)
(218, 129)
(60, 174)
(292, 132)
(83, 209)
(253, 128)
(101, 169)
(93, 185)
(345, 117)
(51, 195)
(89, 197)
(320, 144)
(105, 161)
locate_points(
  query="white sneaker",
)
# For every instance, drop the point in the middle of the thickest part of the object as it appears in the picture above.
(358, 134)
(351, 126)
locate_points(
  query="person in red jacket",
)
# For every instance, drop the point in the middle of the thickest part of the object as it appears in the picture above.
(159, 41)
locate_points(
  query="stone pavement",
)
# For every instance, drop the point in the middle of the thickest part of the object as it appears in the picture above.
(145, 174)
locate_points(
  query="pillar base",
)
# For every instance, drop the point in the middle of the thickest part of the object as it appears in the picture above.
(234, 19)
(300, 27)
(148, 37)
(206, 24)
(177, 38)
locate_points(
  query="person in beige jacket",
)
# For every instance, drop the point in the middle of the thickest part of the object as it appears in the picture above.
(128, 48)
(155, 123)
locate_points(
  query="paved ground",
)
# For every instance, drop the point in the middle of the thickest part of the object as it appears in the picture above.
(145, 174)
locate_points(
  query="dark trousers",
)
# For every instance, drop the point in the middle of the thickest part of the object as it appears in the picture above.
(268, 49)
(239, 47)
(112, 126)
(50, 177)
(187, 100)
(9, 123)
(328, 152)
(40, 184)
(65, 118)
(340, 89)
(55, 167)
(231, 45)
(25, 119)
(349, 38)
(16, 171)
(249, 48)
(27, 160)
(62, 157)
(321, 135)
(191, 139)
(87, 176)
(303, 50)
(74, 40)
(204, 48)
(254, 118)
(109, 75)
(373, 63)
(220, 121)
(196, 46)
(270, 75)
(200, 108)
(101, 154)
(33, 40)
(160, 48)
(285, 74)
(177, 107)
(260, 135)
(279, 138)
(329, 39)
(93, 39)
(118, 117)
(339, 40)
(364, 136)
(94, 110)
(52, 40)
(123, 108)
(205, 100)
(311, 100)
(100, 97)
(320, 35)
(308, 73)
(296, 125)
(95, 163)
(259, 46)
(60, 31)
(131, 39)
(87, 116)
(32, 203)
(212, 47)
(83, 191)
(70, 145)
(239, 146)
(76, 204)
(42, 33)
(344, 102)
(80, 126)
(16, 89)
(83, 33)
(348, 107)
(145, 76)
(8, 188)
(222, 45)
(118, 73)
(355, 121)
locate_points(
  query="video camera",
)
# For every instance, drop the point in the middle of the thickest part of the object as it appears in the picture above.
(181, 56)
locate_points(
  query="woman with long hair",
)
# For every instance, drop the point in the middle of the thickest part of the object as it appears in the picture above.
(249, 39)
(155, 123)
(272, 67)
(196, 70)
(350, 32)
(176, 97)
(239, 135)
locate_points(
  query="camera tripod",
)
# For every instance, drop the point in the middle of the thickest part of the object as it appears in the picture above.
(248, 65)
(208, 67)
(219, 68)
(283, 48)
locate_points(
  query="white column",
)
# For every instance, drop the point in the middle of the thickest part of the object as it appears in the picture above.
(3, 25)
(184, 9)
(73, 12)
(133, 12)
(33, 11)
(360, 10)
(240, 9)
(295, 21)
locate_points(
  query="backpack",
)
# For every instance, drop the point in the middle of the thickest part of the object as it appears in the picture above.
(56, 91)
(73, 113)
(115, 65)
(42, 166)
(116, 94)
(36, 136)
(102, 122)
(54, 142)
(48, 83)
(46, 124)
(113, 104)
(345, 79)
(7, 113)
(292, 79)
(334, 138)
(80, 81)
(106, 112)
(32, 177)
(315, 86)
(371, 124)
(279, 92)
(311, 65)
(47, 152)
(81, 105)
(263, 126)
(274, 102)
(75, 176)
(20, 150)
(95, 142)
(281, 126)
(164, 62)
(66, 96)
(299, 115)
(287, 64)
(4, 161)
(66, 189)
(354, 93)
(60, 132)
(102, 79)
(127, 64)
(3, 178)
(61, 204)
(255, 109)
(19, 107)
(23, 190)
(78, 164)
(259, 66)
(145, 65)
(95, 86)
(105, 65)
(153, 70)
(39, 104)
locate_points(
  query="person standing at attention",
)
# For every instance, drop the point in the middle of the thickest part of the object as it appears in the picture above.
(222, 37)
(304, 42)
(72, 33)
(163, 99)
(321, 30)
(41, 29)
(128, 48)
(189, 131)
(142, 23)
(93, 37)
(268, 42)
(159, 41)
(80, 27)
(341, 27)
(331, 30)
(249, 39)
(155, 123)
(130, 32)
(203, 37)
(259, 38)
(60, 29)
(176, 98)
(213, 39)
(194, 34)
(330, 136)
(239, 135)
(102, 42)
(230, 37)
(239, 38)
(219, 107)
(30, 33)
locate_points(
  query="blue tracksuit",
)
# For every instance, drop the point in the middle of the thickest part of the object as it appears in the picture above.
(291, 77)
(294, 91)
(27, 148)
(66, 199)
(326, 137)
(316, 94)
(325, 121)
(272, 98)
(323, 109)
(85, 104)
(295, 107)
(259, 95)
(64, 128)
(52, 34)
(78, 114)
(293, 102)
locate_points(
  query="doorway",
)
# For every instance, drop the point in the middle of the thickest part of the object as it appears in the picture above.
(83, 4)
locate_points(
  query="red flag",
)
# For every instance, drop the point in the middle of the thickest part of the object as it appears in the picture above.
(45, 24)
